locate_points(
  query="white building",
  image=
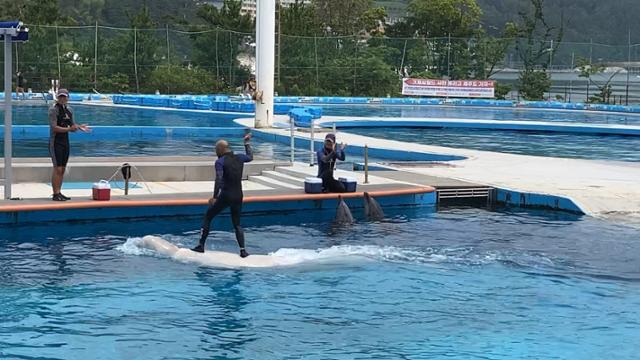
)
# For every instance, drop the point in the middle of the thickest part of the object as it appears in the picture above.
(249, 6)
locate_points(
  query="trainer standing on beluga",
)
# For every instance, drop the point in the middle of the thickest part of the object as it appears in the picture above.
(228, 191)
(61, 124)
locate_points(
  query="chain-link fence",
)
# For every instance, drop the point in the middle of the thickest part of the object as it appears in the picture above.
(168, 60)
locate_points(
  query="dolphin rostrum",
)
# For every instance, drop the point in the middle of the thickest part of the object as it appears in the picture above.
(372, 210)
(343, 214)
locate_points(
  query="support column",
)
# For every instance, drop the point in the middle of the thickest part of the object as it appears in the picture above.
(8, 87)
(265, 61)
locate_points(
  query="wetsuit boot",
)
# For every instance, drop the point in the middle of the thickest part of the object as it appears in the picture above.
(203, 239)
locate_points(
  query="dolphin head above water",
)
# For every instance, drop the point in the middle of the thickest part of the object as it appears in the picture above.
(343, 214)
(372, 210)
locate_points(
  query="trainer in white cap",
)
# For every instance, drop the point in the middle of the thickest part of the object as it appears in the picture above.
(62, 92)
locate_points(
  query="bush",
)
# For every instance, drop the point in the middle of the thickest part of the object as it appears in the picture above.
(182, 80)
(533, 84)
(117, 82)
(502, 90)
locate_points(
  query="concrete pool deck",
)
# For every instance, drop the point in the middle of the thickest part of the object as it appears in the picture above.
(606, 189)
(269, 187)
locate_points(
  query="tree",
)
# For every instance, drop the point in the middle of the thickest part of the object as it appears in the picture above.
(444, 18)
(488, 54)
(340, 17)
(605, 90)
(134, 52)
(182, 80)
(38, 56)
(447, 26)
(218, 50)
(535, 47)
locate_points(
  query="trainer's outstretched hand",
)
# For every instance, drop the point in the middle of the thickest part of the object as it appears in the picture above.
(247, 137)
(84, 128)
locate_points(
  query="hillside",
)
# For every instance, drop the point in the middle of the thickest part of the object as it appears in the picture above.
(585, 20)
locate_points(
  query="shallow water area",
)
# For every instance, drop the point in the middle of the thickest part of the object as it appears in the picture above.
(456, 284)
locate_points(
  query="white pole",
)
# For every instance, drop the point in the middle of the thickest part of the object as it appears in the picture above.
(95, 59)
(58, 54)
(312, 148)
(8, 152)
(265, 61)
(293, 141)
(135, 58)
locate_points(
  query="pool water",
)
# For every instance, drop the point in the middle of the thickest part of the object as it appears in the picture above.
(111, 115)
(594, 147)
(457, 284)
(162, 146)
(108, 115)
(479, 113)
(157, 146)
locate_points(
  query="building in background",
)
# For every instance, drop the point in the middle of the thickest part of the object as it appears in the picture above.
(396, 9)
(249, 6)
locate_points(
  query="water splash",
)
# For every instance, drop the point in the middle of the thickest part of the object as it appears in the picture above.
(467, 256)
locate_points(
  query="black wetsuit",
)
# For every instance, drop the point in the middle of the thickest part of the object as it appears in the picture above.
(228, 193)
(326, 163)
(59, 147)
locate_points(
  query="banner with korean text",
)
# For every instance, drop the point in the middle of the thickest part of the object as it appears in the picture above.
(449, 88)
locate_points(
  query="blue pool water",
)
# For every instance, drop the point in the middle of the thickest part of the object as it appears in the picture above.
(105, 115)
(440, 112)
(457, 284)
(152, 147)
(599, 147)
(110, 115)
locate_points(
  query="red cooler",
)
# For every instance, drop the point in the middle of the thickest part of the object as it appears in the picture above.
(102, 191)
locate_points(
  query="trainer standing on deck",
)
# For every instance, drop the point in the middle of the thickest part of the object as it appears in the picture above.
(327, 158)
(20, 85)
(228, 191)
(61, 124)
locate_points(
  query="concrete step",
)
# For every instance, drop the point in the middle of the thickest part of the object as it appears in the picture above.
(292, 180)
(295, 172)
(273, 183)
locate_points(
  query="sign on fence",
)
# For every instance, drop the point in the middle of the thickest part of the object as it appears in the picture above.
(449, 88)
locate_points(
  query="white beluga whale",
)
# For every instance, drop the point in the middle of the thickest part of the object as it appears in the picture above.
(343, 214)
(372, 210)
(208, 258)
(285, 257)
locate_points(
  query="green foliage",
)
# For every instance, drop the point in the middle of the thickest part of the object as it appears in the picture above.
(534, 84)
(340, 17)
(298, 19)
(215, 53)
(182, 80)
(219, 50)
(605, 89)
(115, 83)
(535, 46)
(534, 37)
(502, 90)
(443, 18)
